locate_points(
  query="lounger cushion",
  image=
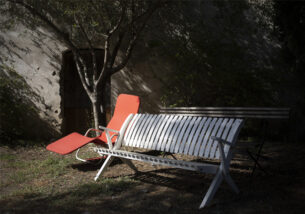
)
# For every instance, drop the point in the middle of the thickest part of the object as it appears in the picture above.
(69, 143)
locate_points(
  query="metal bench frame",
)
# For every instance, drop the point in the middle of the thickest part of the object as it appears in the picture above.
(205, 137)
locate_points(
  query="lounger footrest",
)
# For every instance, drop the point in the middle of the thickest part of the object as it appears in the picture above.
(194, 166)
(69, 143)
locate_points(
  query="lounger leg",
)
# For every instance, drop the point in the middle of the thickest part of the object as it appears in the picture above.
(230, 181)
(107, 162)
(212, 189)
(130, 164)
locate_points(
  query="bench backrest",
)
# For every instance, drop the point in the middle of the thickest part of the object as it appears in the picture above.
(189, 135)
(233, 112)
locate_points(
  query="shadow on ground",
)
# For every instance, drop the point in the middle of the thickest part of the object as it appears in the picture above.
(169, 190)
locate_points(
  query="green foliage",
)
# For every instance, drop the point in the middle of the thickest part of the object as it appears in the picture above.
(290, 25)
(221, 59)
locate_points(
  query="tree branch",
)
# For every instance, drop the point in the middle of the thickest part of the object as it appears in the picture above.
(116, 27)
(93, 55)
(135, 35)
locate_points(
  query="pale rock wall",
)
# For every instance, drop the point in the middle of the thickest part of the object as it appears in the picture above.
(36, 56)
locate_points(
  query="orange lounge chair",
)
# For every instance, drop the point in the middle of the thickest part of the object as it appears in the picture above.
(125, 105)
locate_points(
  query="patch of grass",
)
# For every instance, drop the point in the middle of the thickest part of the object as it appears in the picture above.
(7, 157)
(29, 174)
(106, 186)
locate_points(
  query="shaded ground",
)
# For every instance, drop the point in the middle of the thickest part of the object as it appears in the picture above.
(34, 180)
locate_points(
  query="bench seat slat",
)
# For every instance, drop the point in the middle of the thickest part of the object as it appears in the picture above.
(136, 130)
(154, 130)
(210, 141)
(151, 130)
(201, 137)
(219, 133)
(190, 138)
(233, 134)
(160, 130)
(181, 134)
(141, 128)
(164, 133)
(168, 134)
(187, 134)
(207, 136)
(178, 128)
(131, 127)
(224, 136)
(196, 135)
(146, 129)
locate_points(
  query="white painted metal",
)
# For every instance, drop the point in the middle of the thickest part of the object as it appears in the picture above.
(232, 136)
(194, 166)
(187, 134)
(140, 130)
(207, 135)
(122, 132)
(157, 134)
(162, 139)
(201, 136)
(218, 134)
(146, 128)
(224, 135)
(136, 129)
(196, 135)
(168, 135)
(175, 137)
(191, 136)
(154, 129)
(210, 141)
(172, 132)
(130, 129)
(181, 135)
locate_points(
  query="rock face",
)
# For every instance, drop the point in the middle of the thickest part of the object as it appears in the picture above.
(37, 55)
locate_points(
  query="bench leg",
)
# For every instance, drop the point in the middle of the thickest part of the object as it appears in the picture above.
(212, 189)
(107, 162)
(230, 181)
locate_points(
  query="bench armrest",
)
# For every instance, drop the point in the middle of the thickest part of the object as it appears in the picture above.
(223, 158)
(221, 140)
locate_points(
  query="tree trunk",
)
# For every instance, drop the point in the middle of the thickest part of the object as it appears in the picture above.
(95, 110)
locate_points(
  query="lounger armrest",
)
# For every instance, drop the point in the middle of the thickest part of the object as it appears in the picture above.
(108, 137)
(105, 128)
(92, 129)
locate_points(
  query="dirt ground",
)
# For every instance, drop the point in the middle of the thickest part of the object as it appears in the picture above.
(155, 189)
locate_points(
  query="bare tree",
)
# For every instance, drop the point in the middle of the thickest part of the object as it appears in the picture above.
(114, 24)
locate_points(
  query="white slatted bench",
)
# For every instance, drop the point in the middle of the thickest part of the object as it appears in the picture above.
(263, 113)
(203, 137)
